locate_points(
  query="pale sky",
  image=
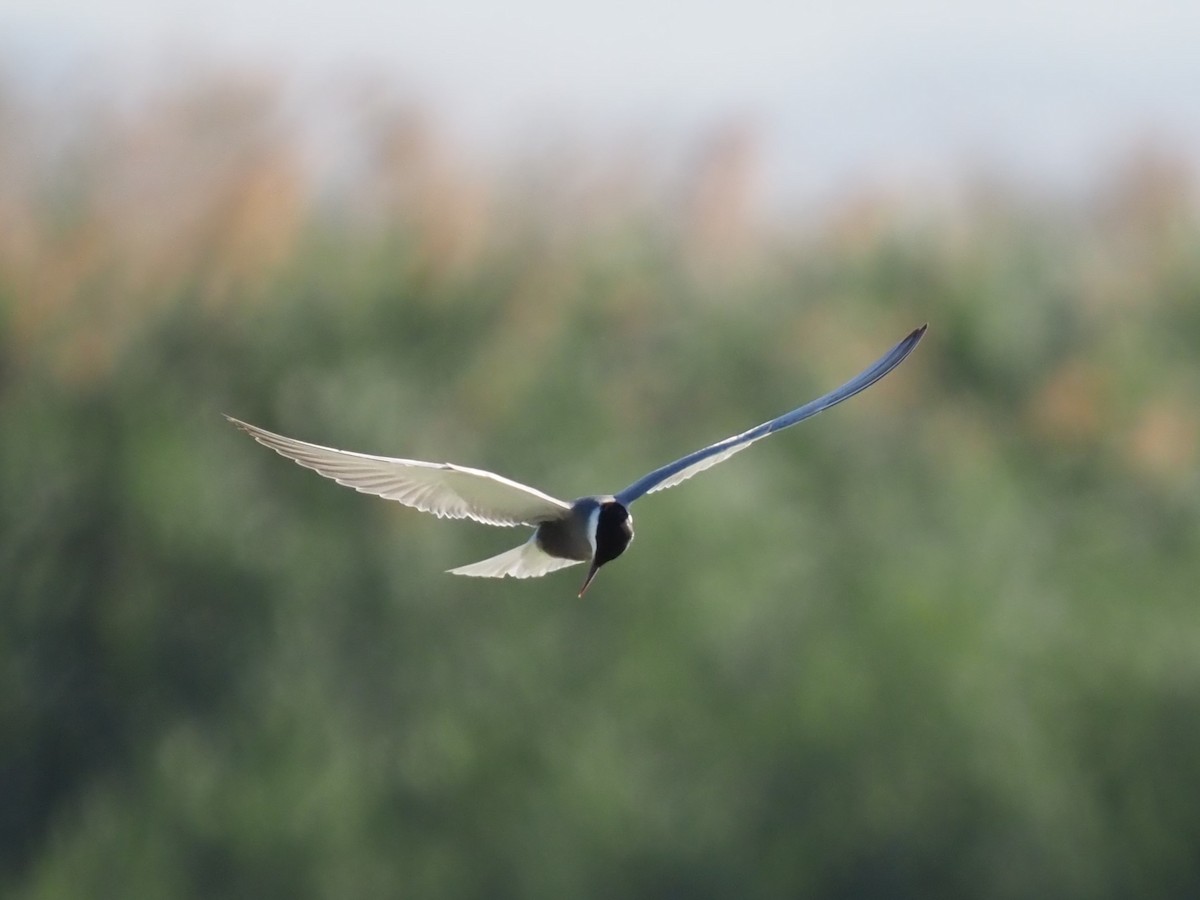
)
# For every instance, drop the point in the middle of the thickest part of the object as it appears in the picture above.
(1047, 89)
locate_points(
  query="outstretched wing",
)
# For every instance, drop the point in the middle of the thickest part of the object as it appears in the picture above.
(444, 489)
(683, 469)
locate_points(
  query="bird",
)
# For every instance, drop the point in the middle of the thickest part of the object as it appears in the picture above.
(595, 529)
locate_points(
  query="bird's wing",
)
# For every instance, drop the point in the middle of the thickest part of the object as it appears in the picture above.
(526, 561)
(444, 489)
(683, 469)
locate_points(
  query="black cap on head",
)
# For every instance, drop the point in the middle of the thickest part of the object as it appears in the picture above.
(614, 531)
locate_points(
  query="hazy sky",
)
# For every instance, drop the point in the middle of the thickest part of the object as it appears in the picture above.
(842, 90)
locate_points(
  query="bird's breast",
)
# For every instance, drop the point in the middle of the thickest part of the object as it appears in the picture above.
(564, 538)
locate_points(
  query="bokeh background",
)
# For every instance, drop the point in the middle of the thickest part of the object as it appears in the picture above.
(941, 642)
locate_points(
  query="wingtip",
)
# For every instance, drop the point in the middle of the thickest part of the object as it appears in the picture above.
(919, 333)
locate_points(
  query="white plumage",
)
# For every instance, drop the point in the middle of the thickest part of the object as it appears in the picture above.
(525, 561)
(444, 489)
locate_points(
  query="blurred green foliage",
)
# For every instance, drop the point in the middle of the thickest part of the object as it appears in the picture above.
(944, 641)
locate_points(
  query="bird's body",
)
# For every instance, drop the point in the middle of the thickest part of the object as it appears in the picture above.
(595, 528)
(564, 538)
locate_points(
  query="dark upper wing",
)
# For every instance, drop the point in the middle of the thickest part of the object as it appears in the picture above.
(683, 469)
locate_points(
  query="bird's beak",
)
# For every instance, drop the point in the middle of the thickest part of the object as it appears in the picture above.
(590, 575)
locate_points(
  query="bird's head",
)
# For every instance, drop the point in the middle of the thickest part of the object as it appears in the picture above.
(611, 530)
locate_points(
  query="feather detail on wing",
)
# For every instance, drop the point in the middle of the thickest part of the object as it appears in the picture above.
(684, 468)
(525, 561)
(699, 466)
(444, 489)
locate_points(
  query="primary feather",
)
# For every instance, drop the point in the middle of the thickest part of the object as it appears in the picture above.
(444, 489)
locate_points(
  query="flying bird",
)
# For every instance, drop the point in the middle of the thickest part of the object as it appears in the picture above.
(595, 529)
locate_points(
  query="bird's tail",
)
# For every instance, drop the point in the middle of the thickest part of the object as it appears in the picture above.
(525, 561)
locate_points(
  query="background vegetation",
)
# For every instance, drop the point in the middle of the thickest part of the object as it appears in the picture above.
(944, 641)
